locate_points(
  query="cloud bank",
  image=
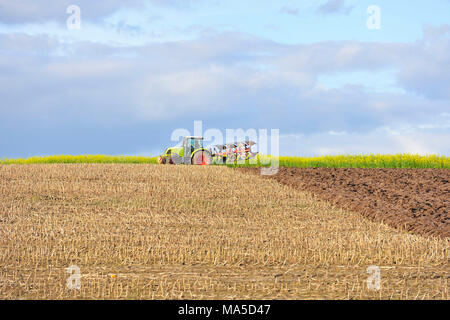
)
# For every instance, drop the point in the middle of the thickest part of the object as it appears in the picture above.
(87, 97)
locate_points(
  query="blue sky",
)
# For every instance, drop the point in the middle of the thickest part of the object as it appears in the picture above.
(138, 70)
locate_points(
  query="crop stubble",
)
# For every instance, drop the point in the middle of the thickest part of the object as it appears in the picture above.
(168, 232)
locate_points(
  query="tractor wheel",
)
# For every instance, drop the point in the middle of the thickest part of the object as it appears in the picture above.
(162, 160)
(175, 159)
(201, 158)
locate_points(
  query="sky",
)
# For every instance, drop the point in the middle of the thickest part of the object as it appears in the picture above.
(334, 76)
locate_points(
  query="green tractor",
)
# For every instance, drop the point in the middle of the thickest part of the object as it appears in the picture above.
(189, 151)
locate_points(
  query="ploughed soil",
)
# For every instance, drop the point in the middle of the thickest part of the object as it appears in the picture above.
(416, 200)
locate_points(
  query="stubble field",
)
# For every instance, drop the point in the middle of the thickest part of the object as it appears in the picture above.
(167, 232)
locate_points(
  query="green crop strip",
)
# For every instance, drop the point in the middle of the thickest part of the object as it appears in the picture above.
(339, 161)
(356, 161)
(80, 159)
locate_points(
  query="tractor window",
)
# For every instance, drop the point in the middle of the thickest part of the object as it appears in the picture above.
(195, 144)
(198, 144)
(191, 145)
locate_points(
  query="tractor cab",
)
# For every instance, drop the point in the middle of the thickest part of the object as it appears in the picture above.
(190, 145)
(189, 151)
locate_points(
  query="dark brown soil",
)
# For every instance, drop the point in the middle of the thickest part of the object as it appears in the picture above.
(416, 200)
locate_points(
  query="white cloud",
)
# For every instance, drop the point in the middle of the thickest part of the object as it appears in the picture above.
(334, 6)
(380, 141)
(289, 10)
(26, 11)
